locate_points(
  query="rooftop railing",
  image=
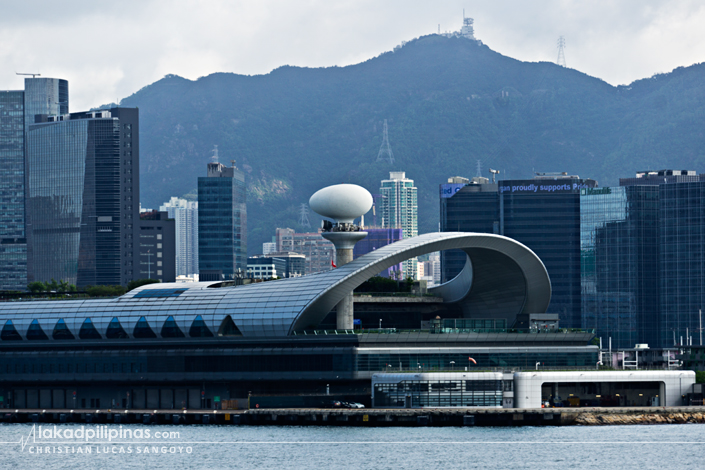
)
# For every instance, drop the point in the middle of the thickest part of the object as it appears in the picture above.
(388, 331)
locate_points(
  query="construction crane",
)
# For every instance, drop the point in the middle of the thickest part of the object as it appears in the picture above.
(34, 75)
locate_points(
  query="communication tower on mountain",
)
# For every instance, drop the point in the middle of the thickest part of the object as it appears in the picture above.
(214, 157)
(479, 168)
(303, 215)
(561, 54)
(468, 30)
(385, 151)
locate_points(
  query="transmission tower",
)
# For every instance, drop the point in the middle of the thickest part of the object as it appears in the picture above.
(303, 215)
(479, 168)
(385, 151)
(561, 54)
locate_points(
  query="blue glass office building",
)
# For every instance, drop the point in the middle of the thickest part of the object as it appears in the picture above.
(83, 196)
(17, 111)
(619, 246)
(222, 223)
(543, 213)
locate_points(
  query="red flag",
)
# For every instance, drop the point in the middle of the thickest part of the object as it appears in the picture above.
(333, 264)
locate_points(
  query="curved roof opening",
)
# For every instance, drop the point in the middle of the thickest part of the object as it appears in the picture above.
(88, 330)
(9, 332)
(143, 330)
(61, 331)
(115, 330)
(228, 327)
(199, 329)
(35, 332)
(170, 329)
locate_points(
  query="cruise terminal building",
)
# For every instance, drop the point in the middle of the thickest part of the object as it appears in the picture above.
(173, 346)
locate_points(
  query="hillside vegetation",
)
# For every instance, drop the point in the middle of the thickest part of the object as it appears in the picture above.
(448, 101)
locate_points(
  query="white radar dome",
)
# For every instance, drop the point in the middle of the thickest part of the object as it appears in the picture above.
(341, 202)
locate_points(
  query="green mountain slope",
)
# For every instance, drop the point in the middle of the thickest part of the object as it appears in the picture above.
(449, 102)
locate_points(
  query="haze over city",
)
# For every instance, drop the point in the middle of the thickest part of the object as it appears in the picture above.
(109, 51)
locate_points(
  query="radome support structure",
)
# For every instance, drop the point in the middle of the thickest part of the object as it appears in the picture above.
(343, 203)
(385, 151)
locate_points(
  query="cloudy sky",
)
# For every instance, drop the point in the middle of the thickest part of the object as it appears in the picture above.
(109, 50)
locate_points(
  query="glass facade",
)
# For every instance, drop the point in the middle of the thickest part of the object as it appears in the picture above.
(17, 112)
(13, 243)
(222, 223)
(471, 208)
(682, 260)
(78, 208)
(440, 393)
(619, 263)
(543, 214)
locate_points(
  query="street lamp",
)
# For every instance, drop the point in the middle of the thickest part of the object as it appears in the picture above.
(380, 323)
(452, 365)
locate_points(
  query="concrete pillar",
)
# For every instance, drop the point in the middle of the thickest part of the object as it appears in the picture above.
(344, 309)
(344, 243)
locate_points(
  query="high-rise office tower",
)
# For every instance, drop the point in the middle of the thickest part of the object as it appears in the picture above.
(222, 223)
(399, 209)
(185, 215)
(82, 173)
(17, 111)
(619, 246)
(542, 213)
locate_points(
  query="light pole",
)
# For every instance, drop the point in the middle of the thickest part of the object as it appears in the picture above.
(380, 323)
(452, 365)
(537, 365)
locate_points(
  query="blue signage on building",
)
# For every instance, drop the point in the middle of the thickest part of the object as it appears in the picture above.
(449, 189)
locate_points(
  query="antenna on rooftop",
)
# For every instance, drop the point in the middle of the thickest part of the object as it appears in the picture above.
(493, 173)
(561, 54)
(385, 151)
(34, 75)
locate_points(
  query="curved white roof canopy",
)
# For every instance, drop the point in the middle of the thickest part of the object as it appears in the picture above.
(502, 277)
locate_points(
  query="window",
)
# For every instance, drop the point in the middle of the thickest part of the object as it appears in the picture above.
(115, 330)
(35, 332)
(143, 330)
(170, 329)
(159, 236)
(88, 330)
(199, 329)
(9, 332)
(61, 331)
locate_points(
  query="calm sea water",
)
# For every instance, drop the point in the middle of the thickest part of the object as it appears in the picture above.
(247, 447)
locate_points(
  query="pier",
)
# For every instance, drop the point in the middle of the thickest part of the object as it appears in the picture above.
(373, 417)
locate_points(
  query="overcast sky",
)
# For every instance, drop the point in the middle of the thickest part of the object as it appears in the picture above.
(109, 50)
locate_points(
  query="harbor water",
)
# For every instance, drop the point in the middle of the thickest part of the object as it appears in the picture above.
(72, 446)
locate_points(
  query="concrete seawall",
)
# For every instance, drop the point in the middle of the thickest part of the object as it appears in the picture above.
(370, 417)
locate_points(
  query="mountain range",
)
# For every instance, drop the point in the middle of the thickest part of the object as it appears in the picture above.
(448, 101)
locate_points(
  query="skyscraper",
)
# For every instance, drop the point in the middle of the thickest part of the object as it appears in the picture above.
(222, 223)
(542, 213)
(399, 209)
(185, 214)
(83, 197)
(17, 111)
